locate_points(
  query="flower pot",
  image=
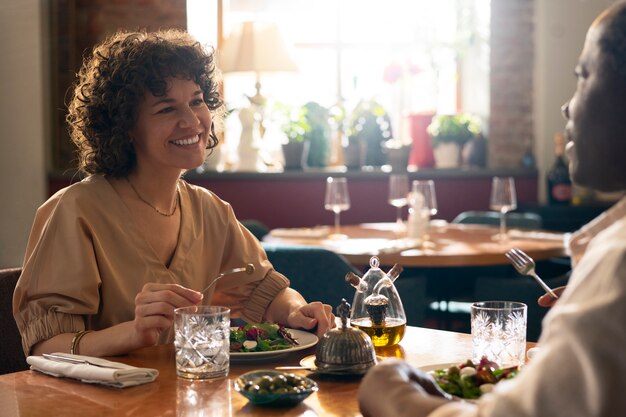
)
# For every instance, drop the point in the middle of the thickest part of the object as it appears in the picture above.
(474, 153)
(447, 155)
(398, 158)
(355, 154)
(296, 154)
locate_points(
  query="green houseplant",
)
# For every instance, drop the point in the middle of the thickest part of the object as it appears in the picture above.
(318, 134)
(449, 133)
(307, 130)
(456, 128)
(369, 128)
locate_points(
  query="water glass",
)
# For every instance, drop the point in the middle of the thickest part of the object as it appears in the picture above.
(499, 332)
(202, 342)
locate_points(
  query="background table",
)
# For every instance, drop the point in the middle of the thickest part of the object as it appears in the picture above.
(30, 393)
(454, 245)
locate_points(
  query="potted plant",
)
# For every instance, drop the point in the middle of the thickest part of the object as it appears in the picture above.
(368, 130)
(449, 133)
(308, 131)
(317, 134)
(295, 126)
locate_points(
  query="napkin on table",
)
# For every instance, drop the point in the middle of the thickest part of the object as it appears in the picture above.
(93, 370)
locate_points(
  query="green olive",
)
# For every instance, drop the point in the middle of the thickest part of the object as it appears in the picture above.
(253, 388)
(264, 382)
(277, 384)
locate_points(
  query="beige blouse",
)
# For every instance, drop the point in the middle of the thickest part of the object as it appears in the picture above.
(86, 261)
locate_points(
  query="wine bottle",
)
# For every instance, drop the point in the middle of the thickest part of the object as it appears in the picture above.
(558, 180)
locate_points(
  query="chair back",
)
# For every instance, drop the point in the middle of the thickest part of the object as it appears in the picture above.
(316, 273)
(258, 229)
(11, 354)
(523, 220)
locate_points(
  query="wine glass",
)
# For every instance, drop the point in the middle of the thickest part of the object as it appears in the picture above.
(337, 200)
(503, 200)
(398, 190)
(427, 189)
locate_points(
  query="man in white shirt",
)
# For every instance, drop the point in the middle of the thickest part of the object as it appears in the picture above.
(580, 369)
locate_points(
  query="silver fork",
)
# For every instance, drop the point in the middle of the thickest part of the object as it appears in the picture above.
(249, 269)
(525, 265)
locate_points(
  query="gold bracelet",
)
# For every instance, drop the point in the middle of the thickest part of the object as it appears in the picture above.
(76, 341)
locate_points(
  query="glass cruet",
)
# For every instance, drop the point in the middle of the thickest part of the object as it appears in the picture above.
(377, 308)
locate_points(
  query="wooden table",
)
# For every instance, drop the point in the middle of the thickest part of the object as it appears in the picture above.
(30, 393)
(454, 244)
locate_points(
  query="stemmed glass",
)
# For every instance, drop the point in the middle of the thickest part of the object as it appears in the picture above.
(503, 200)
(398, 190)
(427, 189)
(337, 200)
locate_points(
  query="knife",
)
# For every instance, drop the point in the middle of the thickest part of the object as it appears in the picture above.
(76, 361)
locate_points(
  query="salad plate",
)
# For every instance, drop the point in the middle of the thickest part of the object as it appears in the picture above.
(469, 380)
(305, 340)
(437, 366)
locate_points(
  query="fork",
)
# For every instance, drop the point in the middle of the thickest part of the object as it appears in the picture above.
(249, 269)
(525, 265)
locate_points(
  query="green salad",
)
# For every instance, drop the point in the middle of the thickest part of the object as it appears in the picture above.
(260, 337)
(470, 380)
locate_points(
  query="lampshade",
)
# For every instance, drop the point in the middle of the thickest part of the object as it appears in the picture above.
(257, 47)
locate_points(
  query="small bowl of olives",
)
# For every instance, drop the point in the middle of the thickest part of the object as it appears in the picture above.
(274, 387)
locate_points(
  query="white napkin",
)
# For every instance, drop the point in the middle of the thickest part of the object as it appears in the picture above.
(93, 370)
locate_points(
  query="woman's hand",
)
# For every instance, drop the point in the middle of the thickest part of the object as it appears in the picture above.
(291, 309)
(546, 300)
(312, 314)
(154, 309)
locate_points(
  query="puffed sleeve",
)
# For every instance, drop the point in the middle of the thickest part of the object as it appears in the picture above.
(59, 283)
(247, 296)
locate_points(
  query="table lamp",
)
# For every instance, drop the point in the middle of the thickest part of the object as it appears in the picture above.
(254, 47)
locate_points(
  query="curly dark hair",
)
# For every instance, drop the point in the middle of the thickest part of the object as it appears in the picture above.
(112, 81)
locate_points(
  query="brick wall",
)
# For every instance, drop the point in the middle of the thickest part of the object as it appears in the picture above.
(511, 108)
(76, 26)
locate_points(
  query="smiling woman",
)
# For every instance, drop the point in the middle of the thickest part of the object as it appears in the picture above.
(172, 131)
(133, 241)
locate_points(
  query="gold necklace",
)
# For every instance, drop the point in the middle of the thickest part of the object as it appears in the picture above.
(154, 208)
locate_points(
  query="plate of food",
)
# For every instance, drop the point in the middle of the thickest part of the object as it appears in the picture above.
(265, 341)
(469, 380)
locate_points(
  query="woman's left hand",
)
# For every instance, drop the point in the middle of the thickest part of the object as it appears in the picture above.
(313, 314)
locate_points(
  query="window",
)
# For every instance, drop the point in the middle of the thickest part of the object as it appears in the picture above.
(409, 55)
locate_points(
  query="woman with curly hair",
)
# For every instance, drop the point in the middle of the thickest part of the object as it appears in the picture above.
(110, 257)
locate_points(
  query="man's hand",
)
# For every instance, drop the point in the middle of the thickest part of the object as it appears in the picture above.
(547, 300)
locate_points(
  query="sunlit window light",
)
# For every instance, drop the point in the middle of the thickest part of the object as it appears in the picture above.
(409, 55)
